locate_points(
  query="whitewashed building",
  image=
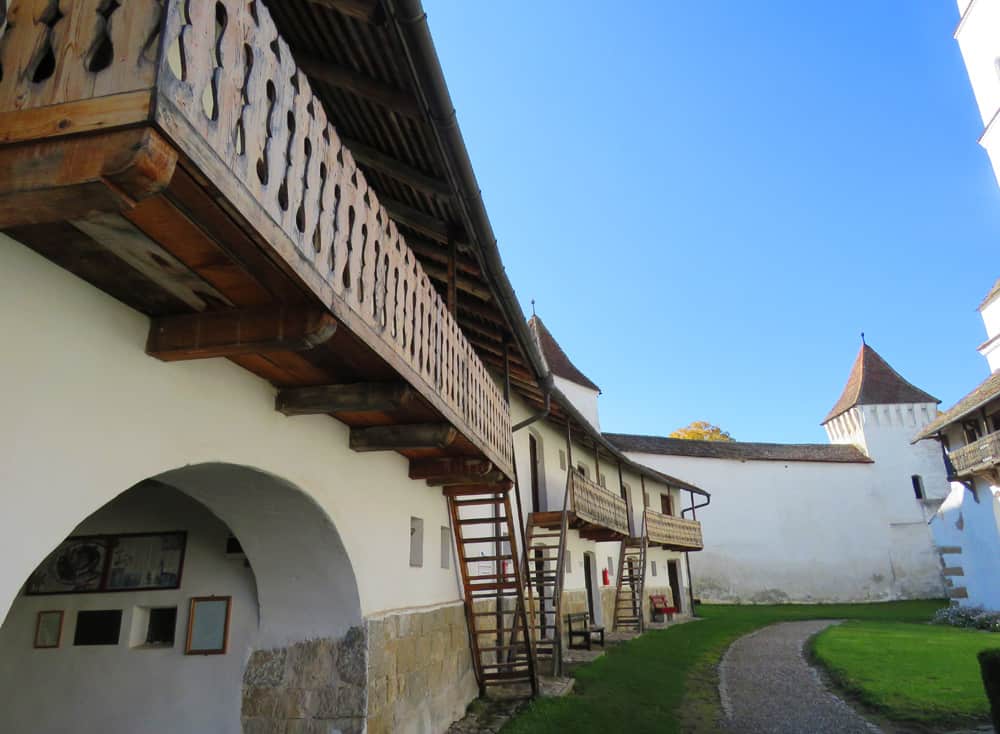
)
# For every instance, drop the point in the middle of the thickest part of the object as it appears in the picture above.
(843, 521)
(967, 525)
(269, 394)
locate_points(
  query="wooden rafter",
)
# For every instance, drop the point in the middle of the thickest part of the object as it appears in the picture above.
(406, 437)
(403, 172)
(360, 85)
(363, 397)
(236, 332)
(369, 11)
(425, 224)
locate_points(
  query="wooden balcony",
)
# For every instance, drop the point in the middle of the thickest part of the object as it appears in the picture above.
(673, 533)
(979, 456)
(171, 153)
(596, 512)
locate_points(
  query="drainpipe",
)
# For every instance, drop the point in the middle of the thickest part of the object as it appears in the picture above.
(687, 556)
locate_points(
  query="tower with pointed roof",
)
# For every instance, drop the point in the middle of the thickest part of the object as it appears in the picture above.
(571, 382)
(879, 411)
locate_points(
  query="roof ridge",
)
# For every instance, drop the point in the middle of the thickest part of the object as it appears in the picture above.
(873, 381)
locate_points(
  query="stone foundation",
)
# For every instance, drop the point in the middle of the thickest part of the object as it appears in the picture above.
(420, 673)
(312, 687)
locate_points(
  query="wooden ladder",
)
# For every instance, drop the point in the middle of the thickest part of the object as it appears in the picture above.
(502, 649)
(631, 582)
(545, 558)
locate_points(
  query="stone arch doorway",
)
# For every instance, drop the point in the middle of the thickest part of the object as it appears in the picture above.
(295, 649)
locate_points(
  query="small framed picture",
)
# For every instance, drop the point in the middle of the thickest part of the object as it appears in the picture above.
(208, 625)
(48, 629)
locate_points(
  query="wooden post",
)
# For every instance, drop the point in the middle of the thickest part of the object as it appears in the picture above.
(597, 464)
(694, 513)
(628, 505)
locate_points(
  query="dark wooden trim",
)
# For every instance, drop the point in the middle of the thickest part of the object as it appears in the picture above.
(188, 650)
(359, 397)
(425, 224)
(449, 466)
(397, 169)
(363, 86)
(235, 332)
(403, 437)
(369, 11)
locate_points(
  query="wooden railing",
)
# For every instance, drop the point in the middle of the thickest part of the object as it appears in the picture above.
(594, 504)
(674, 532)
(978, 455)
(219, 82)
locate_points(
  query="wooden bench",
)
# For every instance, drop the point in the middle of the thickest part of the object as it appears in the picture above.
(583, 631)
(659, 607)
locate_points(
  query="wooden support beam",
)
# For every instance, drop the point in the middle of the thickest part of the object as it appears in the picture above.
(360, 397)
(403, 172)
(466, 285)
(403, 437)
(449, 466)
(452, 278)
(369, 11)
(235, 332)
(428, 250)
(425, 224)
(361, 86)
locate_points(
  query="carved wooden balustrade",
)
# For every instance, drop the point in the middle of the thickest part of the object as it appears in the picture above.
(981, 455)
(672, 532)
(594, 504)
(215, 89)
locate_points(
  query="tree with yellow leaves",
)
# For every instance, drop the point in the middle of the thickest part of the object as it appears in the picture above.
(701, 431)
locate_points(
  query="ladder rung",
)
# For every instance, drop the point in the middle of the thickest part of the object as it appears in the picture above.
(483, 521)
(488, 539)
(493, 614)
(473, 559)
(484, 501)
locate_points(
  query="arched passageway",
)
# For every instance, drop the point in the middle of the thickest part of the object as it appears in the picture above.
(102, 636)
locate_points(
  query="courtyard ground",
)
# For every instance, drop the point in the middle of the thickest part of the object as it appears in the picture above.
(667, 680)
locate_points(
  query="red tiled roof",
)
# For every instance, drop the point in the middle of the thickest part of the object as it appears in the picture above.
(740, 450)
(874, 382)
(986, 391)
(559, 363)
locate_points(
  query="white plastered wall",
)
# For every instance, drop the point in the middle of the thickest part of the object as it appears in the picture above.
(977, 39)
(806, 531)
(88, 414)
(128, 687)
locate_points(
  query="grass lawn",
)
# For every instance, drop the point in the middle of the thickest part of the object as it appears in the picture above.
(648, 684)
(909, 672)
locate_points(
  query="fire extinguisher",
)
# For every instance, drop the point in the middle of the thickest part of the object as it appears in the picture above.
(606, 577)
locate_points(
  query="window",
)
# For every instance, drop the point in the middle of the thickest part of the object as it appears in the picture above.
(416, 542)
(98, 627)
(645, 498)
(445, 546)
(562, 459)
(994, 421)
(581, 470)
(568, 563)
(604, 481)
(918, 486)
(971, 429)
(161, 627)
(611, 566)
(653, 570)
(666, 504)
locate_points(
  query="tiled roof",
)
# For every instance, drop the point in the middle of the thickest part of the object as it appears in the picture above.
(988, 389)
(559, 363)
(742, 450)
(994, 292)
(874, 382)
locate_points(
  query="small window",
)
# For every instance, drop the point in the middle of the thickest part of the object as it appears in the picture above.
(98, 627)
(611, 566)
(918, 486)
(161, 628)
(653, 569)
(645, 498)
(568, 563)
(416, 542)
(604, 481)
(562, 459)
(581, 470)
(666, 504)
(445, 546)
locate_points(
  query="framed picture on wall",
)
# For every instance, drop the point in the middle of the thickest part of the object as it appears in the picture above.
(48, 629)
(102, 563)
(208, 625)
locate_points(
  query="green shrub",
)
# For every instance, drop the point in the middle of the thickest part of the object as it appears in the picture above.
(989, 665)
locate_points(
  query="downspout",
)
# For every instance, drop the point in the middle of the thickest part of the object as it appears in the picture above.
(687, 556)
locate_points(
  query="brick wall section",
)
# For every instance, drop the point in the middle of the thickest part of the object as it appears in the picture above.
(420, 673)
(312, 687)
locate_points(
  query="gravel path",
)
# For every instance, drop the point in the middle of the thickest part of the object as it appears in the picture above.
(766, 685)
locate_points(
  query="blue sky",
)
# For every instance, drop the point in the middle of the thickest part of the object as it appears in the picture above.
(710, 201)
